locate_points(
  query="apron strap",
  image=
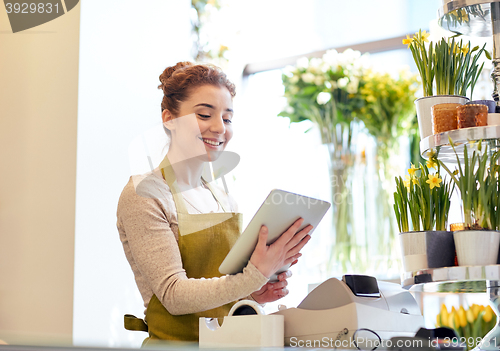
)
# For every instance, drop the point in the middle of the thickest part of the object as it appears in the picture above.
(133, 323)
(169, 176)
(214, 194)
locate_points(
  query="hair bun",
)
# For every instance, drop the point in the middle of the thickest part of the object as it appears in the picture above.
(169, 71)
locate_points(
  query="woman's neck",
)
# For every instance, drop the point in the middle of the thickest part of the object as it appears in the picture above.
(187, 171)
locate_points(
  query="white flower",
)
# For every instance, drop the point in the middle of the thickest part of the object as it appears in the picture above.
(331, 57)
(319, 80)
(342, 82)
(302, 62)
(323, 98)
(308, 77)
(289, 71)
(294, 79)
(289, 109)
(328, 84)
(352, 87)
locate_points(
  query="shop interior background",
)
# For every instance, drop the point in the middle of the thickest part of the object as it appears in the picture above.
(68, 153)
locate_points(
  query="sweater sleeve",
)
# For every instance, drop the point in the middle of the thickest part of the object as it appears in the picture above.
(146, 224)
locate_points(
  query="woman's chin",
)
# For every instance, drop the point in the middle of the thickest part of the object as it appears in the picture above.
(211, 155)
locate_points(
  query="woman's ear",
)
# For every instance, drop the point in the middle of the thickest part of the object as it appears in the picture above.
(168, 120)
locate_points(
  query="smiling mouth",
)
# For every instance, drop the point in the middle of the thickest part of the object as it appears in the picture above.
(212, 142)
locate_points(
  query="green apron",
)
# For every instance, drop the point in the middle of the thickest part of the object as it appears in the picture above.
(204, 241)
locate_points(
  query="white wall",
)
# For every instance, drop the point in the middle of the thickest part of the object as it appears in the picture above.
(38, 121)
(124, 47)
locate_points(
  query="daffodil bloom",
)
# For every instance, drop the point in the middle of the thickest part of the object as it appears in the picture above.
(431, 154)
(431, 163)
(465, 49)
(414, 181)
(425, 36)
(434, 181)
(412, 170)
(407, 181)
(407, 41)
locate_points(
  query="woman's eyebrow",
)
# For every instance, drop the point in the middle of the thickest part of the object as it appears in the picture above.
(212, 107)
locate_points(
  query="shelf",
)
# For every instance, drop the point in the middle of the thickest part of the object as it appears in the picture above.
(470, 279)
(468, 17)
(440, 142)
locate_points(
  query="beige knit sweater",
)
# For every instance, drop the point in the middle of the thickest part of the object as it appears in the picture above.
(148, 227)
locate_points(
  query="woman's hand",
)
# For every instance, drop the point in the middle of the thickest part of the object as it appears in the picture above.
(269, 258)
(273, 291)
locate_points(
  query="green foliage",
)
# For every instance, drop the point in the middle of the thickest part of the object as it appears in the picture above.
(477, 180)
(425, 197)
(449, 65)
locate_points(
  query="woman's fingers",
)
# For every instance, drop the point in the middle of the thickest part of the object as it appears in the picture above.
(296, 249)
(290, 259)
(262, 242)
(289, 233)
(298, 237)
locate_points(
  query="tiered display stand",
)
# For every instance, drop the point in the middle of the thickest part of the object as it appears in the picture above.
(472, 18)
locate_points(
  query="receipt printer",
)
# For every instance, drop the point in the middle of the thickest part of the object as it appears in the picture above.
(356, 311)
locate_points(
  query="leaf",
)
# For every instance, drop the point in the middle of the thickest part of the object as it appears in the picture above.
(487, 54)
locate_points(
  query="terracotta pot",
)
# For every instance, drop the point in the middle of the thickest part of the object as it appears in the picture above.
(444, 117)
(472, 116)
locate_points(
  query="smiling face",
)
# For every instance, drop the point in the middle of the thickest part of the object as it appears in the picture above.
(203, 125)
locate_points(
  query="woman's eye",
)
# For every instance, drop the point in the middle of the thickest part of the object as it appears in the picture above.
(228, 121)
(204, 116)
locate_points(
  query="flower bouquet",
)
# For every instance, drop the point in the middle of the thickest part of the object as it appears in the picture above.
(326, 91)
(471, 325)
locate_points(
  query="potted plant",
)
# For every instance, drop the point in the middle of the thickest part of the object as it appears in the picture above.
(424, 197)
(477, 181)
(448, 66)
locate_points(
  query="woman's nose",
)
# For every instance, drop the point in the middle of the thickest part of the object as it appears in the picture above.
(217, 125)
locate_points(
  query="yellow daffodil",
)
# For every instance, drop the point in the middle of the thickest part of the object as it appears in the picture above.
(465, 49)
(425, 36)
(431, 163)
(407, 181)
(407, 41)
(414, 181)
(434, 181)
(431, 154)
(412, 170)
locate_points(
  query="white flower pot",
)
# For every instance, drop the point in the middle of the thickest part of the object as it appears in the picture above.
(477, 247)
(424, 115)
(427, 249)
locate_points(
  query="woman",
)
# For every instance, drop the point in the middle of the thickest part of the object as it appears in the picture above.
(176, 228)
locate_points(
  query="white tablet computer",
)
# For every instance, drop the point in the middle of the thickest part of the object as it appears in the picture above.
(278, 212)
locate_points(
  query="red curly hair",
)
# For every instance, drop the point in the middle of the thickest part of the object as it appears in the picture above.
(178, 81)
